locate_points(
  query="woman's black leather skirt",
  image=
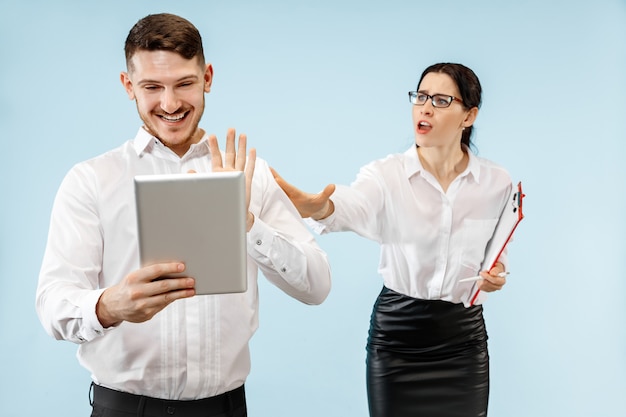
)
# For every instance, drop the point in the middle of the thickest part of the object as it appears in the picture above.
(426, 358)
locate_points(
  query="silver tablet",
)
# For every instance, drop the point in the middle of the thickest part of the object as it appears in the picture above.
(198, 219)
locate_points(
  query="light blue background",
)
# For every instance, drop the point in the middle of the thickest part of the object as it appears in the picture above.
(320, 89)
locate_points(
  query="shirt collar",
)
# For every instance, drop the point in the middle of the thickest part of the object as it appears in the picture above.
(473, 166)
(144, 142)
(413, 165)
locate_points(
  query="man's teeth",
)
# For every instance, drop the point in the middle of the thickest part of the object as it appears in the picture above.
(174, 118)
(424, 124)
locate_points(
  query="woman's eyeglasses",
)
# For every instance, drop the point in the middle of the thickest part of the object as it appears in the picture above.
(438, 100)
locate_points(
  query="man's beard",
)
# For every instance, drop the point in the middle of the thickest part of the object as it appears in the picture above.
(152, 127)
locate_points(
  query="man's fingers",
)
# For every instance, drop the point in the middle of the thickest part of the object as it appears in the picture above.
(230, 149)
(152, 272)
(143, 293)
(234, 156)
(241, 153)
(168, 285)
(216, 155)
(250, 164)
(158, 275)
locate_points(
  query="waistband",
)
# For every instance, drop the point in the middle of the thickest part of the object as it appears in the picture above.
(142, 405)
(403, 323)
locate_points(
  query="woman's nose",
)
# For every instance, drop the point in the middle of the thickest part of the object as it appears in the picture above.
(427, 108)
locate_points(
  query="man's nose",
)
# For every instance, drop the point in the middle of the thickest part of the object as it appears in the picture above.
(170, 102)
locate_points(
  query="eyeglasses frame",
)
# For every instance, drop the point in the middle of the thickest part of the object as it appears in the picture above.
(432, 99)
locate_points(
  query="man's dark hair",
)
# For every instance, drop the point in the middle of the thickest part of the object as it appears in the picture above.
(164, 32)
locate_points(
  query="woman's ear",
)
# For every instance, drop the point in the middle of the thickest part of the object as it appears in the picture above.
(470, 117)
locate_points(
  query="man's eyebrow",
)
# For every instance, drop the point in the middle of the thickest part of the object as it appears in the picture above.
(191, 77)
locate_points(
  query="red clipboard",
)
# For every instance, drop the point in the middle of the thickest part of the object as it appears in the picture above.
(511, 216)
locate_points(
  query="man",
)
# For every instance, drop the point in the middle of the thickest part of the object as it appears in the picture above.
(151, 346)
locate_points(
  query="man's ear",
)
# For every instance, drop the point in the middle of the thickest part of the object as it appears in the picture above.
(208, 78)
(128, 85)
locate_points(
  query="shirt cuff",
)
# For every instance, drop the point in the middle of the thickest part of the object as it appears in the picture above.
(91, 327)
(260, 237)
(320, 226)
(274, 253)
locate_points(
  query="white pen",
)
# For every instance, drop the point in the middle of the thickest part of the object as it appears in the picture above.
(476, 278)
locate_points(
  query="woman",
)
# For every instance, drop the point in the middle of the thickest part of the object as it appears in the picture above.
(432, 209)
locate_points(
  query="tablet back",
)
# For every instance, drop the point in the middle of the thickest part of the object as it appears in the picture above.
(198, 219)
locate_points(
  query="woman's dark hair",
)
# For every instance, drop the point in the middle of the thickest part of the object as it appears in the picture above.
(469, 88)
(164, 32)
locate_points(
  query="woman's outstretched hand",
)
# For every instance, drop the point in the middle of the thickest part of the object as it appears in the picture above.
(317, 206)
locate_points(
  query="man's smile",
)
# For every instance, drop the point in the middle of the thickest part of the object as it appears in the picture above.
(173, 118)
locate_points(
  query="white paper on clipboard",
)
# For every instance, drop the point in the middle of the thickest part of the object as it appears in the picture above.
(510, 218)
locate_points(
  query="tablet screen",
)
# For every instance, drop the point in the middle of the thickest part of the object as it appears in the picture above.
(198, 219)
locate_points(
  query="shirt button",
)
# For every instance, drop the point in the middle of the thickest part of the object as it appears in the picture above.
(171, 410)
(283, 269)
(259, 242)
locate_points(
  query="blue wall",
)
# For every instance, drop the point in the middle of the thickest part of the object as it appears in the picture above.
(320, 89)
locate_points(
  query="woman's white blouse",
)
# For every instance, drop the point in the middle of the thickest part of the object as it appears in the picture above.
(430, 239)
